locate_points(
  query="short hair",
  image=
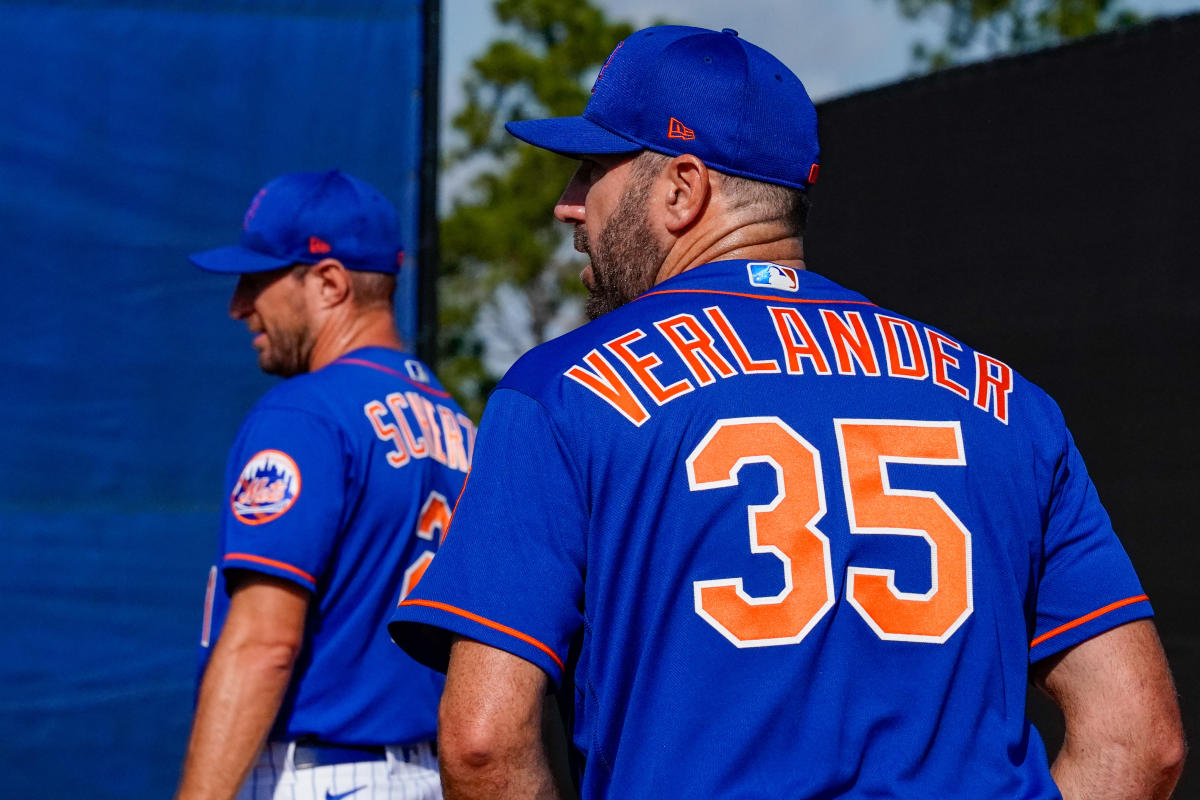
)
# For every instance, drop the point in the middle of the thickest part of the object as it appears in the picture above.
(773, 201)
(776, 201)
(372, 289)
(368, 289)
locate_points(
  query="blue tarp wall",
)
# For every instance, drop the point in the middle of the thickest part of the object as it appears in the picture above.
(132, 134)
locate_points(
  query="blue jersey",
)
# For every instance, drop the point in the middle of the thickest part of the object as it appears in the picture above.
(783, 543)
(341, 481)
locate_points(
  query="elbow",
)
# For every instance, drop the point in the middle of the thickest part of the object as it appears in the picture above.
(280, 655)
(1164, 749)
(468, 746)
(1150, 766)
(1167, 756)
(483, 753)
(276, 656)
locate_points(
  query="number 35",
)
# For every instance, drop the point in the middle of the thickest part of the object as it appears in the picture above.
(786, 528)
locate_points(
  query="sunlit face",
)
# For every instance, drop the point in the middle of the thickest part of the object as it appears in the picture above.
(273, 306)
(608, 202)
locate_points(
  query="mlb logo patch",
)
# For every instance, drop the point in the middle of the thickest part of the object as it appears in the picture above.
(416, 371)
(765, 275)
(266, 489)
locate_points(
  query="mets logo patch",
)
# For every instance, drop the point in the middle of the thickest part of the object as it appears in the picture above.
(267, 488)
(766, 275)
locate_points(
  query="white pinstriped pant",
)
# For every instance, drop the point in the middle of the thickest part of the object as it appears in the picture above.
(275, 777)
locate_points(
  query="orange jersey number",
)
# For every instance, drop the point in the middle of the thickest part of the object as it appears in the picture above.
(866, 447)
(434, 518)
(786, 528)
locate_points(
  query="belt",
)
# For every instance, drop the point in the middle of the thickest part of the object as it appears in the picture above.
(322, 754)
(310, 752)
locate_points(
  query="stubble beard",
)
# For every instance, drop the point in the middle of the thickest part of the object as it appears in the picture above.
(287, 353)
(625, 258)
(289, 346)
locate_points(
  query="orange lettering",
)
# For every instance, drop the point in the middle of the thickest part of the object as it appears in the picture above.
(696, 348)
(897, 367)
(416, 446)
(942, 360)
(993, 385)
(737, 347)
(456, 455)
(798, 341)
(375, 410)
(850, 340)
(427, 418)
(604, 382)
(641, 366)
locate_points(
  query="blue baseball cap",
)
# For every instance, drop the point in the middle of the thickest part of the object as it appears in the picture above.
(675, 90)
(304, 217)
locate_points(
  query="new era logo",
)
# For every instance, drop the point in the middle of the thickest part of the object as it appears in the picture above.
(678, 130)
(316, 245)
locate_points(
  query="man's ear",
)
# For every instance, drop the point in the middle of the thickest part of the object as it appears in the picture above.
(329, 281)
(687, 192)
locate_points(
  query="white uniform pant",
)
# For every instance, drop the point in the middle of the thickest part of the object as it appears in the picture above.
(409, 773)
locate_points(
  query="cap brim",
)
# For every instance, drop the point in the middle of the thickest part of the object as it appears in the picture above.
(237, 260)
(571, 136)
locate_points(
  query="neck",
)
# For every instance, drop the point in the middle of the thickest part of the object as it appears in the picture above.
(351, 330)
(724, 237)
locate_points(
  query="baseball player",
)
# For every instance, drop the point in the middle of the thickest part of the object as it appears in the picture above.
(775, 540)
(339, 485)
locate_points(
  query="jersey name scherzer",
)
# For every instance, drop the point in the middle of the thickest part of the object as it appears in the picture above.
(781, 543)
(341, 481)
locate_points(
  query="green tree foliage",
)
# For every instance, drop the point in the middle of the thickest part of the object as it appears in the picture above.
(499, 236)
(994, 27)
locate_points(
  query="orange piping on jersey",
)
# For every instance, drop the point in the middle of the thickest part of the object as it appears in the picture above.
(1088, 618)
(460, 494)
(450, 522)
(524, 637)
(362, 362)
(270, 562)
(756, 296)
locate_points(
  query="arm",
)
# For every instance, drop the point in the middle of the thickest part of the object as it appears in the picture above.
(1124, 738)
(490, 726)
(243, 685)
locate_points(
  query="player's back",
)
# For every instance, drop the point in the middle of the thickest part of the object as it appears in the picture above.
(373, 453)
(821, 538)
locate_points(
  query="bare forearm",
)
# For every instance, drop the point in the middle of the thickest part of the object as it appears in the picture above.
(490, 727)
(239, 698)
(1124, 739)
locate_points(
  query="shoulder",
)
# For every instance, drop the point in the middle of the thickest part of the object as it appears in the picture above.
(544, 367)
(301, 412)
(306, 393)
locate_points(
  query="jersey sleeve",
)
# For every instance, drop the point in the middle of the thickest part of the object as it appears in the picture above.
(1088, 584)
(287, 486)
(510, 571)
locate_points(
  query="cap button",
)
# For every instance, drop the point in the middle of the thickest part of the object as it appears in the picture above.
(730, 31)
